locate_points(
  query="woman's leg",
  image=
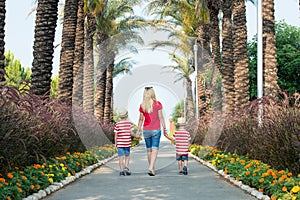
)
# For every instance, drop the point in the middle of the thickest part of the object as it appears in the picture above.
(149, 152)
(155, 147)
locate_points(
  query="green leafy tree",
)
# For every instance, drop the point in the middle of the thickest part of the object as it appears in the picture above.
(16, 74)
(54, 87)
(288, 59)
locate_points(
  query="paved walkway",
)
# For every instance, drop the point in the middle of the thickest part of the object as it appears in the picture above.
(105, 183)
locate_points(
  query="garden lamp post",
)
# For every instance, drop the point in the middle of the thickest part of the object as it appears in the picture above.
(196, 79)
(259, 60)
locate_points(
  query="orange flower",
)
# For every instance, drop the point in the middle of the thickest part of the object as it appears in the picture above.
(261, 190)
(273, 198)
(253, 174)
(32, 187)
(290, 174)
(8, 198)
(261, 180)
(10, 175)
(24, 177)
(18, 184)
(2, 180)
(36, 166)
(284, 189)
(20, 190)
(42, 173)
(247, 173)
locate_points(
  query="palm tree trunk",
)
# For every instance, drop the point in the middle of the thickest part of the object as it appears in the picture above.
(190, 115)
(240, 55)
(227, 69)
(67, 51)
(271, 87)
(77, 97)
(108, 114)
(88, 70)
(103, 62)
(2, 35)
(43, 48)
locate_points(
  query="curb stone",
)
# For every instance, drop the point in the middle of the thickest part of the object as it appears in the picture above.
(253, 191)
(56, 186)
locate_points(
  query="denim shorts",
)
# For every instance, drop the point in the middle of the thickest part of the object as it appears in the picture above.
(152, 142)
(182, 157)
(123, 151)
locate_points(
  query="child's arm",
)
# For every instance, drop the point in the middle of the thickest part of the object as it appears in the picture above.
(168, 137)
(116, 136)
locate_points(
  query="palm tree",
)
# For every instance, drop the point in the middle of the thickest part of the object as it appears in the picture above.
(77, 94)
(67, 51)
(182, 48)
(116, 29)
(45, 24)
(88, 67)
(2, 34)
(271, 87)
(227, 59)
(240, 56)
(184, 16)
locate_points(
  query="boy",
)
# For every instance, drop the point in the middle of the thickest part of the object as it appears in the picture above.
(123, 132)
(181, 138)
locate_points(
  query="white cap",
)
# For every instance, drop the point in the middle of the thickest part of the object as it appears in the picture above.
(122, 112)
(181, 120)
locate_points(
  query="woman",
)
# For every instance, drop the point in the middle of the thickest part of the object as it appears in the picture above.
(151, 118)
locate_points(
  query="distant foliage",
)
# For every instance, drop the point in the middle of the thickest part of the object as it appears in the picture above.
(288, 59)
(54, 87)
(16, 75)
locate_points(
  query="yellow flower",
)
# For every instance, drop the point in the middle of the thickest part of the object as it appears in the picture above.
(50, 180)
(69, 174)
(295, 189)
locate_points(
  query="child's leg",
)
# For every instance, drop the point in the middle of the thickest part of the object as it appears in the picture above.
(179, 165)
(186, 163)
(121, 163)
(127, 159)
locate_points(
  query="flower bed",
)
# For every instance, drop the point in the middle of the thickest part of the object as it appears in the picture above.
(22, 183)
(254, 173)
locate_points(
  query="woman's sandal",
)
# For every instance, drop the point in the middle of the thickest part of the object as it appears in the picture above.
(151, 173)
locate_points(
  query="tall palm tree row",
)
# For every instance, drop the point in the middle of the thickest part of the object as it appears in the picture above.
(67, 51)
(2, 34)
(43, 48)
(271, 87)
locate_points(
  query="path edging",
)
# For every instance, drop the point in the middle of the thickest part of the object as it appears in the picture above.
(253, 191)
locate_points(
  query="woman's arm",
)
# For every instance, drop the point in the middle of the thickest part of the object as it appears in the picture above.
(162, 121)
(140, 123)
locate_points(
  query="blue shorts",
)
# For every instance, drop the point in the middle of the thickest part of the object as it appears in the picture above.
(182, 157)
(123, 151)
(152, 142)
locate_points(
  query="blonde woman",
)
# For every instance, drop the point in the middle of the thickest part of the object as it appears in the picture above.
(151, 119)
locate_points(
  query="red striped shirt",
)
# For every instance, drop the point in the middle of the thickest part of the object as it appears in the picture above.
(182, 139)
(123, 131)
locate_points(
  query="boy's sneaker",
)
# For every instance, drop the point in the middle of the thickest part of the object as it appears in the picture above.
(122, 174)
(127, 171)
(180, 172)
(185, 172)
